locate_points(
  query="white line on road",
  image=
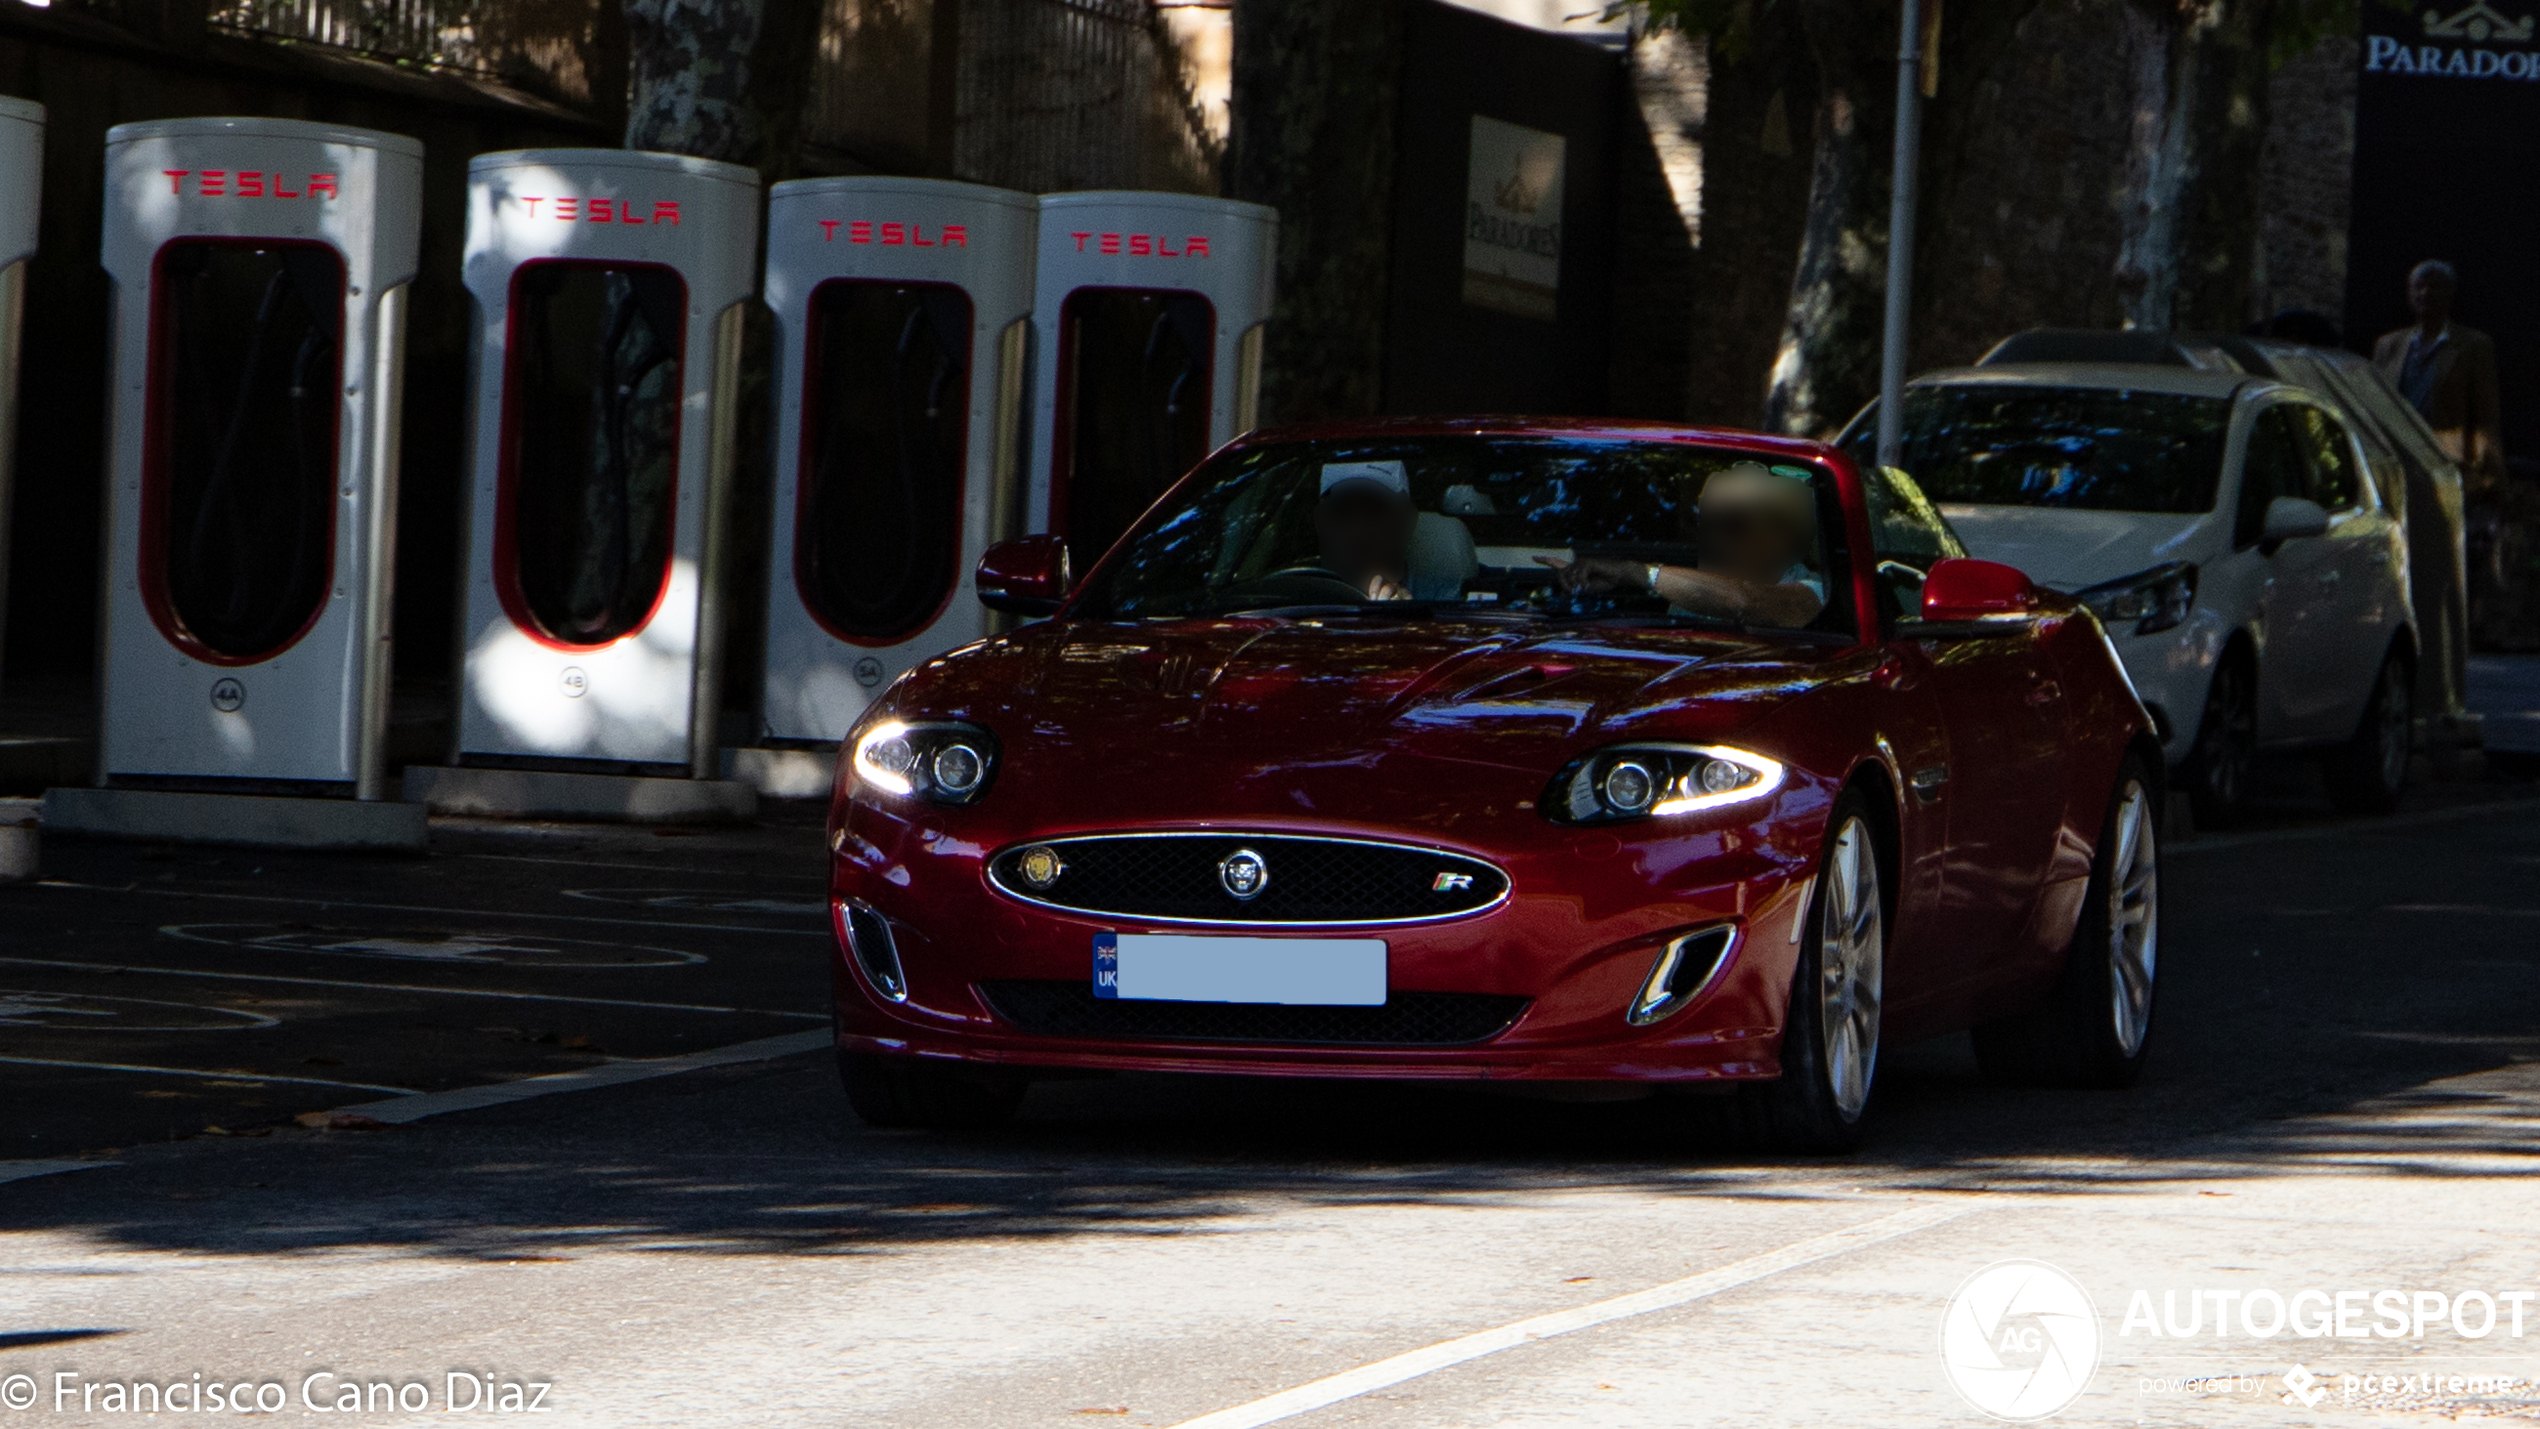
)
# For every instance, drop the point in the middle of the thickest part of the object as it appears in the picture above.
(653, 923)
(408, 987)
(1449, 1353)
(197, 1072)
(416, 1108)
(21, 1170)
(690, 871)
(2210, 843)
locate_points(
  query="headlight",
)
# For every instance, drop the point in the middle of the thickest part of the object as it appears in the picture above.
(940, 763)
(1638, 781)
(2155, 600)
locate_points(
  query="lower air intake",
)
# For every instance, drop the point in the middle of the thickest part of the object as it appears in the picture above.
(1407, 1019)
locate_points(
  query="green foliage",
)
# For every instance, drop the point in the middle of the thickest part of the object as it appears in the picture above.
(1729, 25)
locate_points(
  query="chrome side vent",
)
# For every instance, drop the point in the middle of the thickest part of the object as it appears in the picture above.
(1685, 968)
(869, 935)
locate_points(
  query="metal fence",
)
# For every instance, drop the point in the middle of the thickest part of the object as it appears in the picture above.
(540, 45)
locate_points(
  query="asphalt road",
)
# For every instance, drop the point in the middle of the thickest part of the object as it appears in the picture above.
(2343, 1097)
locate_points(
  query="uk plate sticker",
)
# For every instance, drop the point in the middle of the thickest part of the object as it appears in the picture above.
(1106, 965)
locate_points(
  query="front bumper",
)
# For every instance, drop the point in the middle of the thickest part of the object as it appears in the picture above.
(2171, 670)
(1569, 949)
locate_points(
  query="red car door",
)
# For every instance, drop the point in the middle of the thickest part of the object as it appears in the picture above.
(2002, 786)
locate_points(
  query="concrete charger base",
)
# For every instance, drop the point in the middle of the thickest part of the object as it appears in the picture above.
(578, 798)
(242, 820)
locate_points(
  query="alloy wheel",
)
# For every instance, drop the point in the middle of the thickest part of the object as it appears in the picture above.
(1851, 962)
(2396, 715)
(2134, 919)
(2229, 737)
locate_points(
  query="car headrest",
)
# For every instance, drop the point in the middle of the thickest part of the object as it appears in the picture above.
(1442, 557)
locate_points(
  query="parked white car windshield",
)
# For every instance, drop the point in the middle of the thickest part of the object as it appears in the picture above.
(2085, 449)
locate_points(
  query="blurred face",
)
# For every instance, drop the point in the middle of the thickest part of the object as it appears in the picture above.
(2430, 297)
(1755, 528)
(1364, 531)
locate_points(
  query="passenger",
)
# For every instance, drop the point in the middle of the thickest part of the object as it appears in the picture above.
(1363, 526)
(1757, 543)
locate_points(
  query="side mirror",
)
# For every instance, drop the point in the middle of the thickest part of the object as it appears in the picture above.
(1025, 577)
(2291, 518)
(1963, 589)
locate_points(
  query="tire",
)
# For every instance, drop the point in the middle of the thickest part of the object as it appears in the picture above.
(1821, 1103)
(898, 1093)
(2224, 763)
(2369, 772)
(2094, 1028)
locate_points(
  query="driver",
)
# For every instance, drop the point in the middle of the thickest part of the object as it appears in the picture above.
(1756, 537)
(1363, 526)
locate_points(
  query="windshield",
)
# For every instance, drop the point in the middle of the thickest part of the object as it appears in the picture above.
(1529, 526)
(2079, 448)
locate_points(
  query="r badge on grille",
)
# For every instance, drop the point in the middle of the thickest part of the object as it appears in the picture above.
(1451, 883)
(1243, 874)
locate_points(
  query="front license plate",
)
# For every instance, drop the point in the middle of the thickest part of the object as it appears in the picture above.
(1182, 967)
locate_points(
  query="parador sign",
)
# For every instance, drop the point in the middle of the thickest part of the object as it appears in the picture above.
(2481, 25)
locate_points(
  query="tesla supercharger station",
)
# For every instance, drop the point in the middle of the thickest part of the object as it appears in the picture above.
(260, 270)
(21, 199)
(903, 311)
(608, 287)
(1148, 308)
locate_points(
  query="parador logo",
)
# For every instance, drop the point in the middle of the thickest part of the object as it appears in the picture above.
(2480, 24)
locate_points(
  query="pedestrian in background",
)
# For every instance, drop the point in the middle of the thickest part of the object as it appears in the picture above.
(2449, 372)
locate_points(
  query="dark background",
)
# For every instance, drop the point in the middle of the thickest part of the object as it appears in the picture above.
(2449, 168)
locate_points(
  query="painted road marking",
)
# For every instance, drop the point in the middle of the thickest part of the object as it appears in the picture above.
(407, 987)
(416, 1108)
(197, 1072)
(655, 924)
(434, 946)
(86, 1012)
(1447, 1354)
(2208, 843)
(21, 1170)
(687, 871)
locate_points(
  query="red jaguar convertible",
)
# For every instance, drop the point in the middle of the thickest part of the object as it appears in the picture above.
(1503, 749)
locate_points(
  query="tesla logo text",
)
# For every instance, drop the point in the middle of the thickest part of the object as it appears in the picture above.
(603, 210)
(893, 235)
(246, 183)
(1451, 883)
(1143, 245)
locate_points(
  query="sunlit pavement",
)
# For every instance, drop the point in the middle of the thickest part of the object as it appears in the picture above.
(2342, 1099)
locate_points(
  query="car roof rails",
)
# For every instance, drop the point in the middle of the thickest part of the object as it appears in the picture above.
(2128, 347)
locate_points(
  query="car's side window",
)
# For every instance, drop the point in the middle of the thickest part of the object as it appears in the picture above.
(1908, 537)
(2273, 467)
(2331, 460)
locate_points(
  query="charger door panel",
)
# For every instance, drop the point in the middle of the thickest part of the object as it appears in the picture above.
(902, 312)
(607, 287)
(259, 270)
(21, 200)
(1150, 305)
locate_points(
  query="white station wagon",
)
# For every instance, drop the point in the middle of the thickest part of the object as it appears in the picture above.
(2228, 532)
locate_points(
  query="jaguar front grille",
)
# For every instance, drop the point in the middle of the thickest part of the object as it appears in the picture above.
(1276, 879)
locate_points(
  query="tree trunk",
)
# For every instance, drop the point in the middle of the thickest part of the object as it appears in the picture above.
(1827, 364)
(2190, 233)
(721, 79)
(1313, 137)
